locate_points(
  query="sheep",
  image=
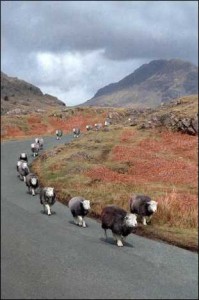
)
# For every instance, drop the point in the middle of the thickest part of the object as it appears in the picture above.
(59, 134)
(40, 141)
(143, 206)
(32, 183)
(35, 149)
(23, 157)
(98, 126)
(79, 208)
(47, 198)
(107, 122)
(89, 127)
(76, 132)
(23, 170)
(118, 221)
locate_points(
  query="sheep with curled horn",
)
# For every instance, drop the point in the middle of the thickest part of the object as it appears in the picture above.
(23, 170)
(59, 134)
(143, 206)
(118, 221)
(79, 208)
(32, 182)
(35, 149)
(47, 199)
(76, 132)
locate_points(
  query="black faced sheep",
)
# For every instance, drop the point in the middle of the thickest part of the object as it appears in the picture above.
(32, 183)
(143, 206)
(40, 141)
(76, 132)
(23, 170)
(118, 221)
(47, 198)
(35, 149)
(59, 134)
(79, 208)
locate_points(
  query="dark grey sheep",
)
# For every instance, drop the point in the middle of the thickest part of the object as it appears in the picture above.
(32, 183)
(118, 221)
(35, 149)
(76, 132)
(23, 170)
(143, 206)
(79, 208)
(47, 198)
(59, 134)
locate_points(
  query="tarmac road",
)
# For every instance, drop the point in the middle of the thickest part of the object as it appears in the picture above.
(48, 257)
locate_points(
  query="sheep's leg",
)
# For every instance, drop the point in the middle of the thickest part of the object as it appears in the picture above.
(114, 237)
(48, 209)
(44, 208)
(83, 223)
(144, 221)
(24, 178)
(105, 233)
(33, 192)
(149, 219)
(75, 220)
(80, 220)
(123, 238)
(119, 240)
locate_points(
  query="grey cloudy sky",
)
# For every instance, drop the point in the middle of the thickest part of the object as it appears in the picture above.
(70, 49)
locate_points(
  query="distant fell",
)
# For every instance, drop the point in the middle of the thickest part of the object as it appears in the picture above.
(154, 83)
(16, 93)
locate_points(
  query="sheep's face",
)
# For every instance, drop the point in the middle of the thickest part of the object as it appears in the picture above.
(36, 140)
(86, 204)
(152, 207)
(130, 220)
(49, 192)
(34, 181)
(23, 155)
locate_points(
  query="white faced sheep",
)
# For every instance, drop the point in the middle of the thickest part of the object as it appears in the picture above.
(32, 183)
(98, 126)
(79, 208)
(23, 170)
(35, 149)
(59, 134)
(40, 141)
(89, 127)
(47, 198)
(23, 157)
(143, 206)
(118, 221)
(76, 132)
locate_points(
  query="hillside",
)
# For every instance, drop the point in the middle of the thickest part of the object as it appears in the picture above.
(150, 85)
(16, 93)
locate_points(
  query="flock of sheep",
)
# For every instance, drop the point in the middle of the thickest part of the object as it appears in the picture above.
(114, 218)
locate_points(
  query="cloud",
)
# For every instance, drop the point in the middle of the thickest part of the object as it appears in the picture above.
(76, 47)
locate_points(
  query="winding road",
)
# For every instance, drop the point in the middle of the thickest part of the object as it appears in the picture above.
(48, 257)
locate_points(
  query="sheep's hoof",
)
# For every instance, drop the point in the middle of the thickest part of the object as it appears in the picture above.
(84, 225)
(119, 243)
